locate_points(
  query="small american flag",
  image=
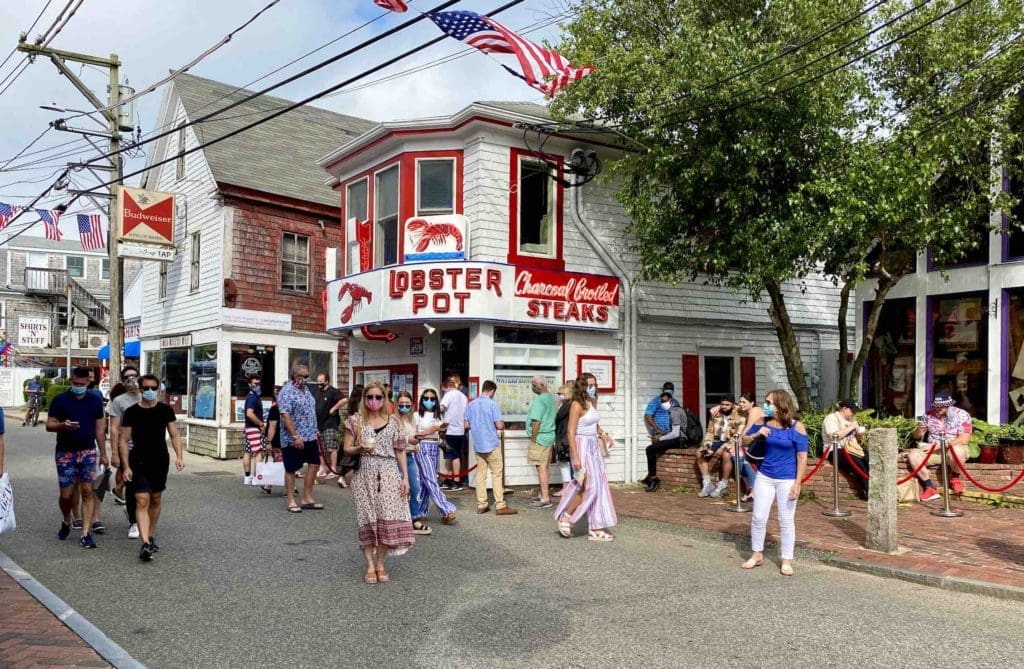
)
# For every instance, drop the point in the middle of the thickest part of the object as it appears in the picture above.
(7, 212)
(51, 223)
(393, 5)
(546, 70)
(91, 232)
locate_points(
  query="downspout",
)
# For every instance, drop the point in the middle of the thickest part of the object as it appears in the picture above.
(628, 327)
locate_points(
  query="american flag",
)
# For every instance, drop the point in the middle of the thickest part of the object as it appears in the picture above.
(91, 232)
(393, 5)
(546, 70)
(51, 223)
(7, 212)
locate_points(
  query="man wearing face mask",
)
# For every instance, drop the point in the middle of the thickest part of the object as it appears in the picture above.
(656, 418)
(299, 438)
(76, 415)
(254, 424)
(329, 402)
(664, 441)
(125, 400)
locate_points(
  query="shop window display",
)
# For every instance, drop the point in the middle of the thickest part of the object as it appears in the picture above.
(1015, 352)
(891, 363)
(959, 339)
(204, 382)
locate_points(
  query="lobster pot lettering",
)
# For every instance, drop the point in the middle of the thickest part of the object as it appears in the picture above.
(431, 238)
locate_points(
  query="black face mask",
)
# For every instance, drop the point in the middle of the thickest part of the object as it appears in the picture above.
(323, 385)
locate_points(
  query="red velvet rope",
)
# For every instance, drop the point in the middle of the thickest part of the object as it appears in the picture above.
(984, 487)
(748, 459)
(821, 461)
(923, 464)
(455, 476)
(853, 463)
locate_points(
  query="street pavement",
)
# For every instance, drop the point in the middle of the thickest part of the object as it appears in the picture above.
(239, 582)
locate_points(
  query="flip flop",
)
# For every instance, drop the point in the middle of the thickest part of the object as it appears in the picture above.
(751, 563)
(564, 527)
(599, 535)
(312, 506)
(294, 508)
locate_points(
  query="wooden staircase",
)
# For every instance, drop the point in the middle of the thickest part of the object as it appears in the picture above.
(54, 284)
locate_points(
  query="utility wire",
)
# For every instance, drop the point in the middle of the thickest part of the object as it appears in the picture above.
(30, 28)
(27, 147)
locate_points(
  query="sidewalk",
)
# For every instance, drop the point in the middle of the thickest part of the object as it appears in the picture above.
(986, 544)
(31, 636)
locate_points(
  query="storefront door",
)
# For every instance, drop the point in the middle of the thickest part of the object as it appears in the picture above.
(455, 354)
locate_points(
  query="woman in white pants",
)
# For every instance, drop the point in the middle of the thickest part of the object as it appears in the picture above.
(779, 477)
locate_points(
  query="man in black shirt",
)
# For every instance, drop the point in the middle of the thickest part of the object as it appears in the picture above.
(146, 425)
(329, 401)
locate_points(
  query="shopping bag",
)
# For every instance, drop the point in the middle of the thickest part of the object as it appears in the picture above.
(908, 491)
(269, 473)
(7, 523)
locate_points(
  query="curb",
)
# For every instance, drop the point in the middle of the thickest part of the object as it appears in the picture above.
(104, 646)
(953, 583)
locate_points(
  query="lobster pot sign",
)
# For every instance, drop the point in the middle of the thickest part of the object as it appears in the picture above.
(432, 238)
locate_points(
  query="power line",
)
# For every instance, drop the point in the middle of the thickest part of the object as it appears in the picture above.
(47, 40)
(27, 147)
(30, 28)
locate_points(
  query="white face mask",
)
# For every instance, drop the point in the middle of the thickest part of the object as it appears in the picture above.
(666, 405)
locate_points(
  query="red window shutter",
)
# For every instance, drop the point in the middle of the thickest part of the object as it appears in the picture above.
(748, 375)
(691, 383)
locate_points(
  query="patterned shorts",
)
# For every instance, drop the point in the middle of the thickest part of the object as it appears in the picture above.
(253, 440)
(329, 437)
(74, 466)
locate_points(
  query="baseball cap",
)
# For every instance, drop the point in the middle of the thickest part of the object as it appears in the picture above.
(849, 404)
(942, 400)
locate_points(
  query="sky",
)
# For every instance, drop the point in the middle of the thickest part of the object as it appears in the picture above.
(153, 37)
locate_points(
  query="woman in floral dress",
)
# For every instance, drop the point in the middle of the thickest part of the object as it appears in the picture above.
(381, 484)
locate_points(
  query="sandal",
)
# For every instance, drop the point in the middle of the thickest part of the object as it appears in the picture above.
(294, 508)
(600, 535)
(313, 506)
(786, 569)
(564, 527)
(341, 482)
(382, 576)
(419, 527)
(753, 562)
(266, 489)
(449, 519)
(370, 577)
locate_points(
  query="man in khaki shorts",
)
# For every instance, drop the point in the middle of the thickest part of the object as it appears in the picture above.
(943, 419)
(540, 422)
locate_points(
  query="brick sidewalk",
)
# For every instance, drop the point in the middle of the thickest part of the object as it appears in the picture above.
(31, 636)
(986, 544)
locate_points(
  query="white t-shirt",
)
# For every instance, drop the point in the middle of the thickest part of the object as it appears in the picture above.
(427, 425)
(454, 405)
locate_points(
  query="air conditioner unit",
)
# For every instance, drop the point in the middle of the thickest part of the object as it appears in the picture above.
(95, 341)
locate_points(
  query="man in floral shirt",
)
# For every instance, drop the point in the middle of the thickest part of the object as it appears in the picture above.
(942, 420)
(299, 438)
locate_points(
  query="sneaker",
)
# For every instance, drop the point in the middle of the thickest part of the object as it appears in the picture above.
(706, 490)
(87, 542)
(541, 504)
(146, 552)
(76, 524)
(98, 528)
(152, 544)
(720, 489)
(455, 487)
(247, 479)
(929, 494)
(118, 497)
(505, 511)
(133, 531)
(956, 484)
(64, 532)
(446, 485)
(653, 485)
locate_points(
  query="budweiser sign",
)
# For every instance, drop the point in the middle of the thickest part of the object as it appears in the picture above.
(144, 217)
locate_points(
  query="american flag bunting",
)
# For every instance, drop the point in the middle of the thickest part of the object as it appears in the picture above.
(90, 231)
(7, 212)
(51, 223)
(393, 5)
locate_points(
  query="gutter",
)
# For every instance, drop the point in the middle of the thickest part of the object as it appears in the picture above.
(628, 329)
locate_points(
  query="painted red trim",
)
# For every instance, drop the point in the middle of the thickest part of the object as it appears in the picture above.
(748, 375)
(691, 383)
(581, 358)
(392, 369)
(514, 258)
(386, 336)
(305, 206)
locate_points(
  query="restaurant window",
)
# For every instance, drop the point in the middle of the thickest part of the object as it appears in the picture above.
(75, 266)
(959, 339)
(246, 360)
(435, 187)
(891, 363)
(318, 362)
(519, 355)
(355, 209)
(105, 269)
(295, 262)
(196, 251)
(536, 216)
(203, 382)
(385, 213)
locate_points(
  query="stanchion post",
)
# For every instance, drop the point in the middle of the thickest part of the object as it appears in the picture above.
(945, 511)
(835, 511)
(737, 452)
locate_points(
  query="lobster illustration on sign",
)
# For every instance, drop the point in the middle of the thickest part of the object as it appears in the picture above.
(358, 295)
(425, 233)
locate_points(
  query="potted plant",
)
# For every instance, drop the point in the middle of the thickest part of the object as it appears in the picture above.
(989, 448)
(1011, 445)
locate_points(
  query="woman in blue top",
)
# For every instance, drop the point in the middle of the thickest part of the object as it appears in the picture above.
(779, 477)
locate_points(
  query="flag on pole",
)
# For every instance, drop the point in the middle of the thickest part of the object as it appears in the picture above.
(393, 5)
(90, 231)
(546, 70)
(51, 223)
(7, 212)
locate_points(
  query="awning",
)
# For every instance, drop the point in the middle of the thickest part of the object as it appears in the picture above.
(132, 349)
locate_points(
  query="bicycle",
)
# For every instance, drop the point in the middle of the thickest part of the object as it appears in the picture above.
(32, 416)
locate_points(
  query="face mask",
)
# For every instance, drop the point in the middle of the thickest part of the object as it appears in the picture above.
(535, 389)
(666, 405)
(79, 390)
(769, 410)
(300, 382)
(429, 404)
(404, 410)
(591, 391)
(374, 405)
(561, 396)
(149, 395)
(255, 389)
(322, 385)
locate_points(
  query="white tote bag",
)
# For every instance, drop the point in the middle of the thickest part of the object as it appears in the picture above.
(269, 473)
(7, 523)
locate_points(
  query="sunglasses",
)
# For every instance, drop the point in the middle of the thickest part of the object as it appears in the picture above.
(405, 406)
(374, 397)
(150, 387)
(429, 397)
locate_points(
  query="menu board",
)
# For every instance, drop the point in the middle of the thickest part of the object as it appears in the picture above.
(514, 393)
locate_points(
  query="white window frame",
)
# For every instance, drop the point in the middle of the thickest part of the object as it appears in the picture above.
(105, 261)
(455, 186)
(179, 163)
(351, 243)
(195, 254)
(378, 237)
(85, 271)
(308, 263)
(161, 281)
(552, 204)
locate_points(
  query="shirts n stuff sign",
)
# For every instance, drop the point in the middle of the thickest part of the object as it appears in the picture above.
(34, 332)
(473, 291)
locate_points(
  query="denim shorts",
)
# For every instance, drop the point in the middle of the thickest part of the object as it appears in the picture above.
(74, 466)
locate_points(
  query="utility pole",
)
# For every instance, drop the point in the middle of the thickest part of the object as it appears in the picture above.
(112, 112)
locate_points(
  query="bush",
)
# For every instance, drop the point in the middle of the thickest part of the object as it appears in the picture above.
(52, 390)
(904, 427)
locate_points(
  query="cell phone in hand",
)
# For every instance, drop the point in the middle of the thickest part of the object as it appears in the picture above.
(74, 424)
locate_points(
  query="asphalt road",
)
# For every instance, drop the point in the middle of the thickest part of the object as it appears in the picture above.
(240, 582)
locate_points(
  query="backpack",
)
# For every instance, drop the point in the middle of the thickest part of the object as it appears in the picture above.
(693, 433)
